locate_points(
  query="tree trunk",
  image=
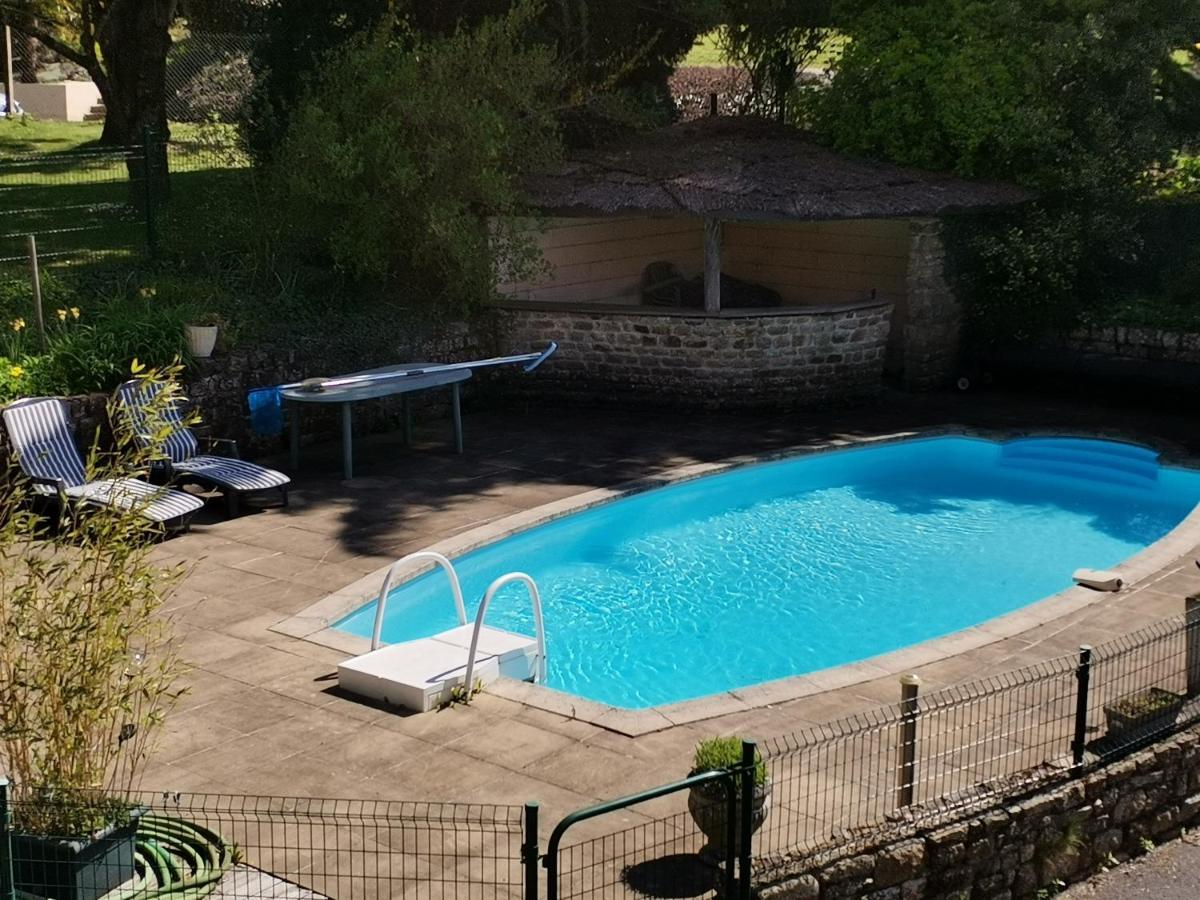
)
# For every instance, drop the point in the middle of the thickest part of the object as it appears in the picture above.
(134, 39)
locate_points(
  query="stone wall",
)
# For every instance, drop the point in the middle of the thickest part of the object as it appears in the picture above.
(926, 352)
(1063, 834)
(1136, 343)
(218, 386)
(782, 358)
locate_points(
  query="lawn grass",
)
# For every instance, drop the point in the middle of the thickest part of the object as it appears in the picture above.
(81, 202)
(706, 52)
(29, 135)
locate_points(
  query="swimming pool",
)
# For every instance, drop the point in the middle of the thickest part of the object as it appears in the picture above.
(783, 568)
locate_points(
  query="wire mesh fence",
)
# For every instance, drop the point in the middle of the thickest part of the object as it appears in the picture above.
(966, 748)
(239, 848)
(96, 204)
(661, 857)
(208, 74)
(928, 760)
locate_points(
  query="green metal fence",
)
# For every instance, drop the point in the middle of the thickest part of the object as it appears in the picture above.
(836, 788)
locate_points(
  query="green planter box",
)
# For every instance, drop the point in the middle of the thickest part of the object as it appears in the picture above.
(1144, 714)
(84, 868)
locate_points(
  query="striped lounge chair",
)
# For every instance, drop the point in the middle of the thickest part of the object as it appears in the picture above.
(232, 476)
(40, 434)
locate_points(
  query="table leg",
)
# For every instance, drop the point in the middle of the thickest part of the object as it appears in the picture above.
(458, 434)
(407, 410)
(347, 442)
(294, 424)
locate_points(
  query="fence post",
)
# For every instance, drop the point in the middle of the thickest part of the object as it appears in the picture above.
(1083, 674)
(1191, 624)
(746, 826)
(906, 771)
(529, 851)
(10, 101)
(148, 188)
(8, 885)
(35, 278)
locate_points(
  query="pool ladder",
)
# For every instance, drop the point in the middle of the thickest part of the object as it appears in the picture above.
(402, 672)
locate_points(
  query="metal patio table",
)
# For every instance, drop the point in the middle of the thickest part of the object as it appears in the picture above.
(349, 395)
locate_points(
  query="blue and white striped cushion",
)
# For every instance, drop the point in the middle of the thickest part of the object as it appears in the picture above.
(233, 473)
(41, 436)
(135, 396)
(181, 445)
(157, 504)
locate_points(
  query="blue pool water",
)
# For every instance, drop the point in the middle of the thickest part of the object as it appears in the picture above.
(787, 567)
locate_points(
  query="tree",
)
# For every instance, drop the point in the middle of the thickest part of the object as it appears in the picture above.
(773, 41)
(1063, 96)
(608, 50)
(122, 44)
(401, 162)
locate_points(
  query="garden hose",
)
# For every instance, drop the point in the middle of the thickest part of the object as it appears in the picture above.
(179, 859)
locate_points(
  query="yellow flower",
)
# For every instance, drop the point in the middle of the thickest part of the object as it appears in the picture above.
(147, 292)
(15, 371)
(16, 324)
(62, 314)
(74, 312)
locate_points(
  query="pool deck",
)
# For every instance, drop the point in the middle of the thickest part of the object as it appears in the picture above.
(263, 715)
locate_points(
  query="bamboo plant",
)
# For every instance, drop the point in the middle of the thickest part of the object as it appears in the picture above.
(88, 664)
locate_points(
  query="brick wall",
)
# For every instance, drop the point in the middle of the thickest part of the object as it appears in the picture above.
(821, 356)
(1059, 835)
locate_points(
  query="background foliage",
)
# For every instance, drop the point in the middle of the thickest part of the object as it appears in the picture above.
(404, 147)
(1078, 100)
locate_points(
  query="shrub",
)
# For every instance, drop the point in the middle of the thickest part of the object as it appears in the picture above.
(92, 339)
(395, 160)
(88, 667)
(725, 753)
(1063, 98)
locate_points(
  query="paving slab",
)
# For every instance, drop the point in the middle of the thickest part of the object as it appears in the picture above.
(249, 573)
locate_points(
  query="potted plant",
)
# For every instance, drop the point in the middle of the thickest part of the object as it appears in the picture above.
(97, 858)
(88, 676)
(708, 802)
(1144, 713)
(201, 334)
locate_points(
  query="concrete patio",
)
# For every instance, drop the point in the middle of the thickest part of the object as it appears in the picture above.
(263, 715)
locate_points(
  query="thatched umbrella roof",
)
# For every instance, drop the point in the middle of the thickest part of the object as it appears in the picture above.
(750, 169)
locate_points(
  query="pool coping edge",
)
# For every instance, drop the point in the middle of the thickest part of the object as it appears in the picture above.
(314, 623)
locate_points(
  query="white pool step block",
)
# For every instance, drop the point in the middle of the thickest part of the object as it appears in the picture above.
(515, 653)
(422, 674)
